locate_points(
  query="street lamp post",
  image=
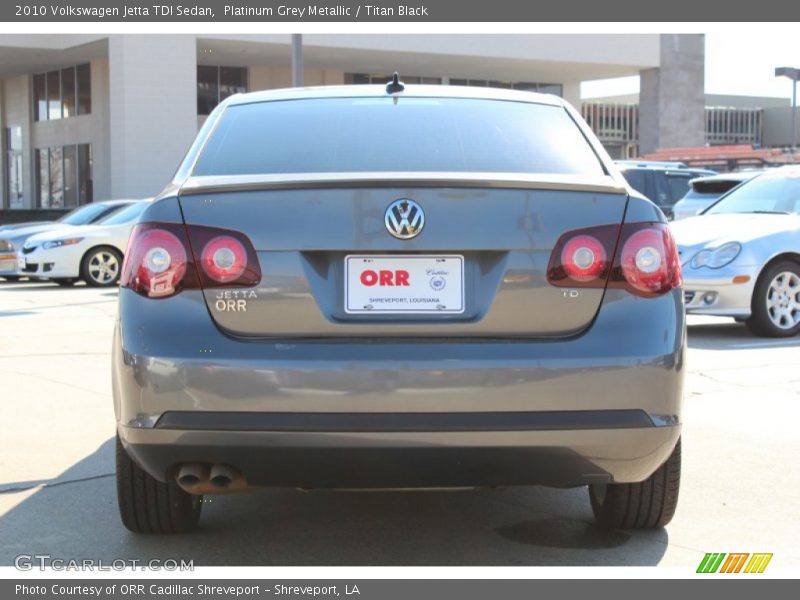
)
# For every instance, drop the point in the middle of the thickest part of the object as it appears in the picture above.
(297, 60)
(793, 74)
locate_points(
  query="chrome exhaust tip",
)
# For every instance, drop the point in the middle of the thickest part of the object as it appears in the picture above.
(192, 476)
(222, 476)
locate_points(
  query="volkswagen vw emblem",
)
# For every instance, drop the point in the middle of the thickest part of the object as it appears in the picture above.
(404, 219)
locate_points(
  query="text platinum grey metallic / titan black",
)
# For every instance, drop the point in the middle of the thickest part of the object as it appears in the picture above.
(360, 287)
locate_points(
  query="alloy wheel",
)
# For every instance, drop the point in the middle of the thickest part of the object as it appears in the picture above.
(103, 267)
(783, 300)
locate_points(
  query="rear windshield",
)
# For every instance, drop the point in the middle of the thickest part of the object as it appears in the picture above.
(396, 135)
(715, 186)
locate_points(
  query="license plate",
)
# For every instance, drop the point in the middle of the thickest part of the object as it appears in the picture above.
(404, 284)
(22, 264)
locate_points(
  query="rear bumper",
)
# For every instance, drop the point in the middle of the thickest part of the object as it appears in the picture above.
(601, 406)
(384, 459)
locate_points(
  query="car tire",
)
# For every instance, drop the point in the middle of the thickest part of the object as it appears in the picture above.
(101, 266)
(647, 504)
(147, 505)
(776, 301)
(65, 282)
(12, 278)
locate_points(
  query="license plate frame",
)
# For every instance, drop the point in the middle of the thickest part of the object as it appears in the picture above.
(435, 284)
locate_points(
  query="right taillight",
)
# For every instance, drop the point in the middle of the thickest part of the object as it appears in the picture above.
(644, 259)
(649, 260)
(165, 258)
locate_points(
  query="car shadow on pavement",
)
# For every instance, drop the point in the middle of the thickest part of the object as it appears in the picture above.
(75, 516)
(729, 335)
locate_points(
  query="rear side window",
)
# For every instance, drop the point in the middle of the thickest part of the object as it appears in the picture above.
(328, 135)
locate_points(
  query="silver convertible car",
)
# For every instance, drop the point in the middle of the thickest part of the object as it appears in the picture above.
(398, 287)
(741, 257)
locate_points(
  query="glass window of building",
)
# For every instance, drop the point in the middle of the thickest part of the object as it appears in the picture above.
(526, 86)
(54, 95)
(64, 176)
(68, 92)
(62, 94)
(232, 80)
(85, 181)
(83, 76)
(56, 178)
(70, 176)
(378, 79)
(42, 166)
(14, 166)
(214, 84)
(40, 97)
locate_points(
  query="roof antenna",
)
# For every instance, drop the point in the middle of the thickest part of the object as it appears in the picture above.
(395, 85)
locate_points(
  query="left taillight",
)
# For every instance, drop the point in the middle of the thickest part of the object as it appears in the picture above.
(165, 258)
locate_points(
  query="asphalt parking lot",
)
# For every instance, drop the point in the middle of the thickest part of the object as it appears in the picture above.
(739, 491)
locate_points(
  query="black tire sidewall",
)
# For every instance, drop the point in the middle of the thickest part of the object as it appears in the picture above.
(149, 506)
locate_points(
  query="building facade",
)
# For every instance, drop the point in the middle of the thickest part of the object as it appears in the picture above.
(93, 117)
(761, 122)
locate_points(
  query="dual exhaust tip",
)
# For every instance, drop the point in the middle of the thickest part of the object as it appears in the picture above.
(199, 478)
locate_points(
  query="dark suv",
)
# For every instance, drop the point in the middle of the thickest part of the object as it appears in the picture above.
(662, 182)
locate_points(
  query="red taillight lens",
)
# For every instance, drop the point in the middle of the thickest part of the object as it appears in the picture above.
(647, 264)
(584, 258)
(649, 261)
(157, 261)
(160, 262)
(224, 259)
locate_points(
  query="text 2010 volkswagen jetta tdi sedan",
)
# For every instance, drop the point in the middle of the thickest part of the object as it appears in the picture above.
(361, 287)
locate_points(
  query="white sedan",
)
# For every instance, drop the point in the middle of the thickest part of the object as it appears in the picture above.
(92, 253)
(741, 256)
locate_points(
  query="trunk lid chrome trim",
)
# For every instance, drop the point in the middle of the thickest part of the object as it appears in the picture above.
(237, 183)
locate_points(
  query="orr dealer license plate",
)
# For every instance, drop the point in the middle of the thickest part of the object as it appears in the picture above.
(398, 285)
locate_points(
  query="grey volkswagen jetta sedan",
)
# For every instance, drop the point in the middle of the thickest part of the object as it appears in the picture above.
(398, 287)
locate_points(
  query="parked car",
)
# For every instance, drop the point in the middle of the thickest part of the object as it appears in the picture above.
(10, 226)
(704, 191)
(740, 257)
(662, 182)
(13, 237)
(92, 253)
(495, 311)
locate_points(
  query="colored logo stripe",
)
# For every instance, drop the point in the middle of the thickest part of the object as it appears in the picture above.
(758, 563)
(734, 562)
(711, 562)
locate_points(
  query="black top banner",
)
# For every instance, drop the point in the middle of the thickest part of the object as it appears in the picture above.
(419, 11)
